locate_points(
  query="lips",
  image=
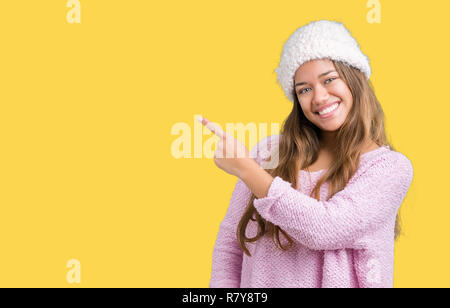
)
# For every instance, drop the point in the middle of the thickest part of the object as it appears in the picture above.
(326, 106)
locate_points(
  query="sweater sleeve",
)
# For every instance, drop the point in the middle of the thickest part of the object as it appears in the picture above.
(227, 253)
(367, 201)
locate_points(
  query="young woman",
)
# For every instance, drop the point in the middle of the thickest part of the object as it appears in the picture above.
(326, 214)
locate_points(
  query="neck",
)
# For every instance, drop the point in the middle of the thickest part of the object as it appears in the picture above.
(328, 141)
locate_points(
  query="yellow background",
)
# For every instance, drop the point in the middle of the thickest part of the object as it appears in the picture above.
(86, 169)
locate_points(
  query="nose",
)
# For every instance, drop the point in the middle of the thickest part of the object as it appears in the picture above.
(321, 95)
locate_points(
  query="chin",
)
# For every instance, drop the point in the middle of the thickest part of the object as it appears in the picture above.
(330, 127)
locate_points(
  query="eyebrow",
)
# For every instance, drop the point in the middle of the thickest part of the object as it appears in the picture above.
(323, 74)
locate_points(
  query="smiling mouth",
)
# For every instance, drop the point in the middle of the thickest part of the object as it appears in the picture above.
(331, 111)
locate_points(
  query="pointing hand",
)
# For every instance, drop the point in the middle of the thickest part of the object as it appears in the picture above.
(230, 155)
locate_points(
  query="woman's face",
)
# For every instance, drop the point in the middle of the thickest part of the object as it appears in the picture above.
(318, 86)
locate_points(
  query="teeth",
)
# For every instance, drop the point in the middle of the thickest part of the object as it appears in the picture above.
(329, 109)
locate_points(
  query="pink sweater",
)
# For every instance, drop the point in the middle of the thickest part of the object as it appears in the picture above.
(347, 241)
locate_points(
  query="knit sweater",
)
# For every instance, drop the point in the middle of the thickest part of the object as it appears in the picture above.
(345, 242)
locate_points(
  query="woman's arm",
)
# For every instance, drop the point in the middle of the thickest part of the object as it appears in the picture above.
(366, 202)
(228, 254)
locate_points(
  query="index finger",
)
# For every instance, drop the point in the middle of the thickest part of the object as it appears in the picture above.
(211, 126)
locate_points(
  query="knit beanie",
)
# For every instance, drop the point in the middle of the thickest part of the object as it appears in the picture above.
(318, 40)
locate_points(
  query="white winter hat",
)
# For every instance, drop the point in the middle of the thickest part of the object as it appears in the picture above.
(318, 40)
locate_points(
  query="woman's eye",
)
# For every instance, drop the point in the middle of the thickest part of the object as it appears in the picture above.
(303, 91)
(326, 82)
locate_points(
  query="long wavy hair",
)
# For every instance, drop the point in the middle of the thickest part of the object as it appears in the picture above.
(300, 144)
